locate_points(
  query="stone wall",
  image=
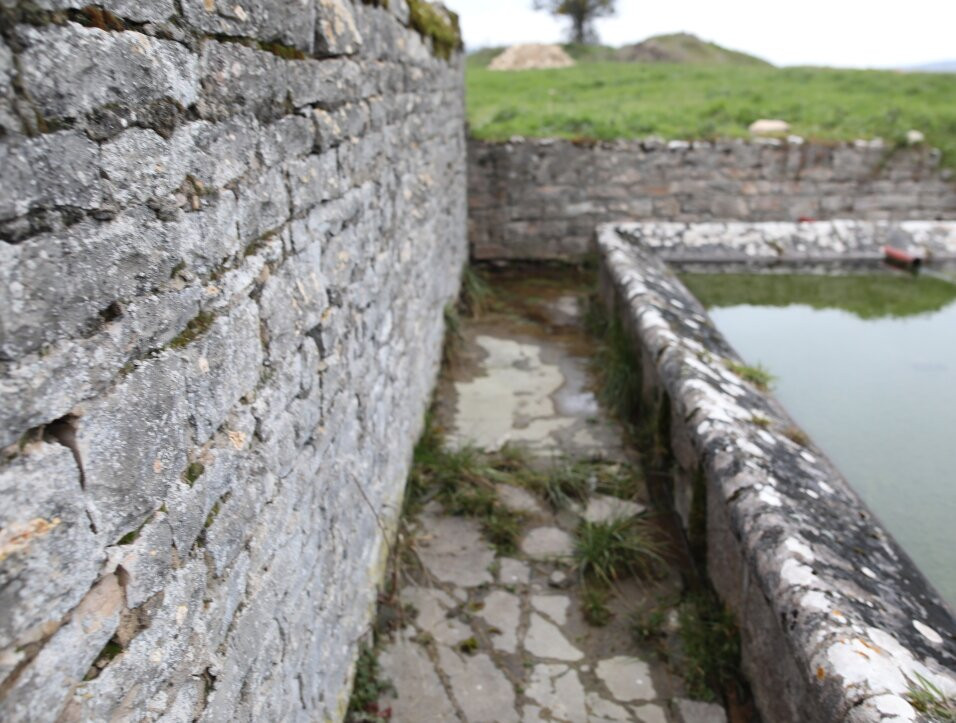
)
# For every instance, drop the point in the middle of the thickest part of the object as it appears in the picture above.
(542, 199)
(836, 621)
(227, 235)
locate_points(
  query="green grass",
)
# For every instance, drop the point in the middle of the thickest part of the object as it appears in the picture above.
(868, 297)
(710, 645)
(929, 699)
(756, 375)
(608, 551)
(368, 688)
(610, 100)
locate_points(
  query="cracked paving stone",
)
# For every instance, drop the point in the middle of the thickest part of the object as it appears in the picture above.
(502, 611)
(454, 551)
(513, 572)
(420, 695)
(545, 543)
(518, 500)
(650, 713)
(605, 710)
(483, 692)
(558, 689)
(545, 640)
(627, 678)
(554, 606)
(605, 508)
(433, 606)
(692, 711)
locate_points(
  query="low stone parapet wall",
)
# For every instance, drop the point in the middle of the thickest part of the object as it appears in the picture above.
(836, 622)
(541, 199)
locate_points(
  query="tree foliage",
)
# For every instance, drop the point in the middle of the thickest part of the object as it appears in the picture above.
(582, 14)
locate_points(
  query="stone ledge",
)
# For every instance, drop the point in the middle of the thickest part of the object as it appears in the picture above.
(834, 616)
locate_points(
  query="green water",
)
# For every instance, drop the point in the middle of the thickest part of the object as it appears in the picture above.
(867, 366)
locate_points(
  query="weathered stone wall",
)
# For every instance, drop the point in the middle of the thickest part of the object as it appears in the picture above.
(227, 234)
(542, 199)
(836, 621)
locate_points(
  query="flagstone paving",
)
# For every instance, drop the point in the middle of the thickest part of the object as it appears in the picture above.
(497, 639)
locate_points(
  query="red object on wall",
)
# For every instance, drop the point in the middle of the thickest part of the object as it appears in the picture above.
(898, 257)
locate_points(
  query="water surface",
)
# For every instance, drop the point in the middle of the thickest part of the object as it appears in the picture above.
(867, 366)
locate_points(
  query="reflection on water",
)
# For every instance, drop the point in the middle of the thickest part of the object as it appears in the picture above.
(873, 381)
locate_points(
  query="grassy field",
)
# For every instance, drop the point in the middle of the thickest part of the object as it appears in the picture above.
(609, 100)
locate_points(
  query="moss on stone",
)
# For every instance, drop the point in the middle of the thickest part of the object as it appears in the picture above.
(193, 472)
(441, 26)
(197, 326)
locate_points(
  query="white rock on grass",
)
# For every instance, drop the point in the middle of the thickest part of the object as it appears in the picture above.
(518, 500)
(604, 508)
(419, 693)
(769, 127)
(502, 611)
(453, 550)
(482, 691)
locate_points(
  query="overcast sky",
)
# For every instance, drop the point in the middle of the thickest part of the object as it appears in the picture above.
(849, 33)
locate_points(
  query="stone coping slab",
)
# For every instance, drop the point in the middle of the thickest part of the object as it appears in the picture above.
(836, 621)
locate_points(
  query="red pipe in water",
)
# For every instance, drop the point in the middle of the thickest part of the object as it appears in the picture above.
(898, 257)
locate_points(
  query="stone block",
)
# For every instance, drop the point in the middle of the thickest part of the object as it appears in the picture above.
(63, 284)
(139, 11)
(289, 23)
(237, 79)
(50, 556)
(132, 443)
(336, 32)
(221, 367)
(289, 138)
(171, 642)
(224, 151)
(43, 688)
(263, 205)
(70, 70)
(146, 561)
(314, 180)
(139, 164)
(327, 82)
(56, 169)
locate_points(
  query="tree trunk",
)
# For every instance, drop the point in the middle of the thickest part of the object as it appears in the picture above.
(579, 25)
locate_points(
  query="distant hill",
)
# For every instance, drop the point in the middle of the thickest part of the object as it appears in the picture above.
(676, 48)
(685, 48)
(947, 66)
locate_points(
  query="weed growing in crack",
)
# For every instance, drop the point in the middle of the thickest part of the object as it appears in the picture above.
(464, 482)
(711, 648)
(926, 697)
(368, 688)
(756, 375)
(615, 364)
(594, 598)
(609, 551)
(476, 296)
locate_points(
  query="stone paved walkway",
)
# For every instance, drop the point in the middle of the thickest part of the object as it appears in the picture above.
(504, 639)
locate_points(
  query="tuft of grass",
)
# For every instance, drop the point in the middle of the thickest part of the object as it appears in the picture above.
(756, 375)
(464, 482)
(797, 436)
(476, 294)
(567, 482)
(608, 551)
(453, 337)
(648, 625)
(617, 369)
(193, 472)
(440, 25)
(926, 697)
(594, 605)
(368, 688)
(711, 648)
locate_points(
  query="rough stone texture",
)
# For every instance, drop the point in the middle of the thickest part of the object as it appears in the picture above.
(692, 711)
(786, 536)
(223, 264)
(539, 199)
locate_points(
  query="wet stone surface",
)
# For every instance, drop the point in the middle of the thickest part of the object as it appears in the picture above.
(504, 638)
